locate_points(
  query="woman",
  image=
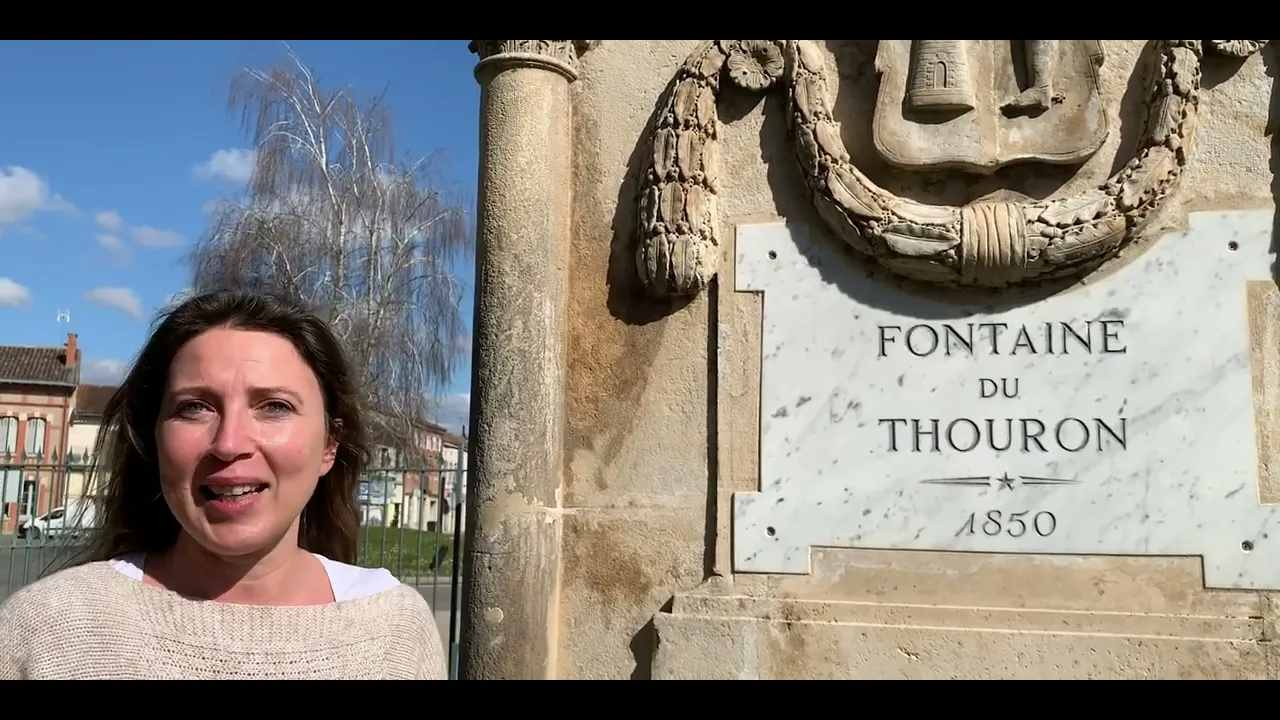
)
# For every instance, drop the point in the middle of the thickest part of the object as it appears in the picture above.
(229, 523)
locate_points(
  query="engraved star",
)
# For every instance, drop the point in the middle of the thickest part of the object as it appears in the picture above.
(1005, 481)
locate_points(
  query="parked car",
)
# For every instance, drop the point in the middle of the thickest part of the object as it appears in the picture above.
(69, 521)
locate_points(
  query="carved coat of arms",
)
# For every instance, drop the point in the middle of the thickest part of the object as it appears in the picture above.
(963, 104)
(978, 105)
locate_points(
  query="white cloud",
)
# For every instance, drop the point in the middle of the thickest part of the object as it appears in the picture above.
(108, 220)
(114, 245)
(12, 294)
(24, 193)
(453, 411)
(113, 225)
(233, 166)
(122, 299)
(102, 371)
(151, 237)
(25, 230)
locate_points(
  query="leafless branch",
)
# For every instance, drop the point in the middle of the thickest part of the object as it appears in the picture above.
(331, 217)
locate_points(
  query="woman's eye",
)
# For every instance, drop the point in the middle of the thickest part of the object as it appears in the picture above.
(276, 407)
(188, 408)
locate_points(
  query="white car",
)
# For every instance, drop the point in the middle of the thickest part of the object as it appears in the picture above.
(60, 522)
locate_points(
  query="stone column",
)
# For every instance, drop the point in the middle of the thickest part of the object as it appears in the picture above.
(512, 571)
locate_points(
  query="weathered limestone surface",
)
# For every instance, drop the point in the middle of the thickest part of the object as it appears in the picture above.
(525, 196)
(618, 367)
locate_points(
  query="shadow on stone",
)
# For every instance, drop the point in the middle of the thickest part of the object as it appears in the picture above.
(1132, 113)
(1271, 62)
(643, 645)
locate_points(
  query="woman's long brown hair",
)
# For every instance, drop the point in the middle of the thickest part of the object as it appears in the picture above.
(133, 516)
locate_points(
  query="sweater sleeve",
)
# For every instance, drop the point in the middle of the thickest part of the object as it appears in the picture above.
(15, 630)
(432, 666)
(10, 657)
(410, 636)
(424, 648)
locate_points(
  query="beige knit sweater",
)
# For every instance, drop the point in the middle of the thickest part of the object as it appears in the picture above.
(92, 622)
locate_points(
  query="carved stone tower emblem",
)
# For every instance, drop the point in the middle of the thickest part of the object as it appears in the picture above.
(978, 105)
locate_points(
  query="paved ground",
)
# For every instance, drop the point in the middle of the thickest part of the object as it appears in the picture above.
(18, 562)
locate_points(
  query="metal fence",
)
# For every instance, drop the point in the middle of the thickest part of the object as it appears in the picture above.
(411, 523)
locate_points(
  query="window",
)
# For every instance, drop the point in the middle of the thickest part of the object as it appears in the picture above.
(28, 505)
(10, 478)
(10, 487)
(35, 436)
(8, 435)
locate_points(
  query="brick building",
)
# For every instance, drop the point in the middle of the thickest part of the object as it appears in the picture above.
(37, 395)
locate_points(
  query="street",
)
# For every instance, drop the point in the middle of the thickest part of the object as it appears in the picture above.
(18, 562)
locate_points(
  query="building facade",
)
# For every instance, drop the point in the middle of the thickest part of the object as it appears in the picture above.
(404, 489)
(82, 437)
(37, 394)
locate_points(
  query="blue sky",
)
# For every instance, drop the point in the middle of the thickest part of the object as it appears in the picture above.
(106, 172)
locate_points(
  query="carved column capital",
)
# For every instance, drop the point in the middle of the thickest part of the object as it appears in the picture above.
(559, 56)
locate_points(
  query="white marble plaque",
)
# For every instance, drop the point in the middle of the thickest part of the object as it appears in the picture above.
(1115, 418)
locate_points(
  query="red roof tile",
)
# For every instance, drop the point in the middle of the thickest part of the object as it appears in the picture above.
(37, 365)
(91, 400)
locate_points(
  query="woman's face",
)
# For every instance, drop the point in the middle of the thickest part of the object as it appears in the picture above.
(242, 440)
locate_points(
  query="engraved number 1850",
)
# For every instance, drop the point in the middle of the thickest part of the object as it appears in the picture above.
(1015, 524)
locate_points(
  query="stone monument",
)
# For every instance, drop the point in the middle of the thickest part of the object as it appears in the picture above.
(888, 359)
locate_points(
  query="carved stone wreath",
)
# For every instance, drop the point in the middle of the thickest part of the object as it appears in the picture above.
(984, 243)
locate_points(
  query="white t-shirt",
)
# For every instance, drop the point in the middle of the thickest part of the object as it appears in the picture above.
(349, 582)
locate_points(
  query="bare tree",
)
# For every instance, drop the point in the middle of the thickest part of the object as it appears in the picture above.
(330, 217)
